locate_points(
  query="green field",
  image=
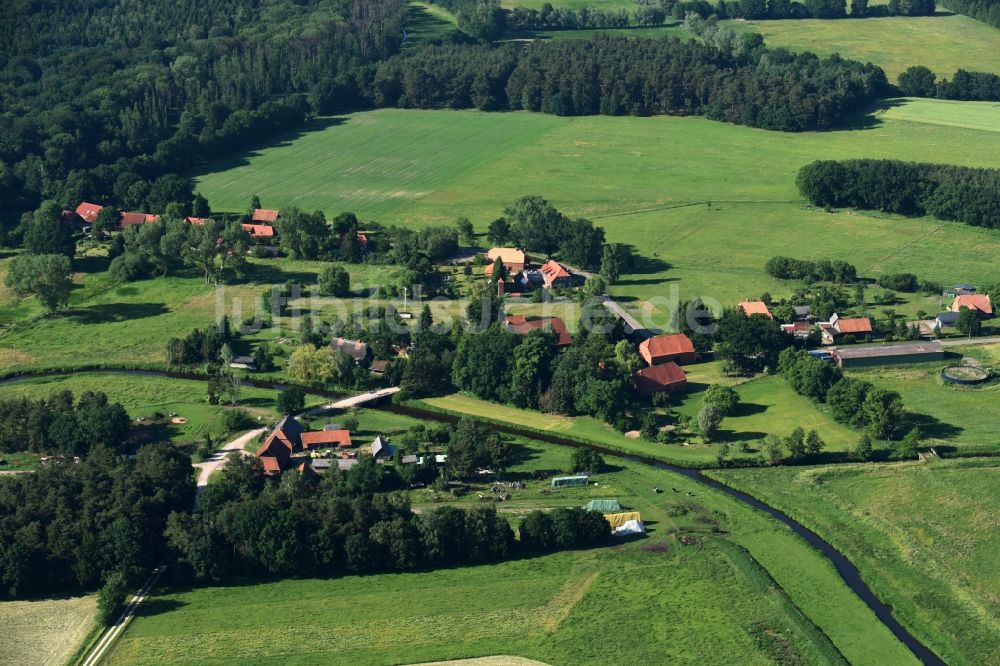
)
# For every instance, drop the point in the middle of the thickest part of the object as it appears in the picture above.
(706, 203)
(942, 43)
(950, 415)
(748, 591)
(925, 536)
(145, 396)
(45, 632)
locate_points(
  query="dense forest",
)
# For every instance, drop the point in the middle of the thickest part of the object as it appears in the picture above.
(742, 82)
(964, 194)
(73, 525)
(987, 11)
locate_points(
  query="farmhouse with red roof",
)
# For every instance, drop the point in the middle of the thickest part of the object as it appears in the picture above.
(666, 377)
(266, 216)
(978, 303)
(755, 307)
(832, 330)
(522, 326)
(666, 348)
(89, 211)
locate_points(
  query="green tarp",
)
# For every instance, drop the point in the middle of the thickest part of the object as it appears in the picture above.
(603, 505)
(563, 481)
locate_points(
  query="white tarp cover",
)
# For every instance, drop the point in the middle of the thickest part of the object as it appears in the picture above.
(629, 528)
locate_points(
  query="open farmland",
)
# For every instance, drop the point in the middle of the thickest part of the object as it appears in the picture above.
(706, 203)
(712, 603)
(942, 43)
(45, 632)
(925, 536)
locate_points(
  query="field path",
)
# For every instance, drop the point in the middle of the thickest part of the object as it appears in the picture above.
(115, 630)
(218, 459)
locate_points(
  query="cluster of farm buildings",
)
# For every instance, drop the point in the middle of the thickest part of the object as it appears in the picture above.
(260, 227)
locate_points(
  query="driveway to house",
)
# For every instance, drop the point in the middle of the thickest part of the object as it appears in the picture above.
(218, 459)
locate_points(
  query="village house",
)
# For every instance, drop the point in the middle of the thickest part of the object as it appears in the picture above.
(512, 259)
(799, 329)
(520, 325)
(88, 211)
(978, 303)
(960, 290)
(259, 232)
(131, 218)
(837, 327)
(676, 348)
(382, 449)
(664, 378)
(555, 274)
(356, 349)
(289, 438)
(755, 307)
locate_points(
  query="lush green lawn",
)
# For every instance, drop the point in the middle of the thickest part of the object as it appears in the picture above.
(768, 406)
(709, 603)
(942, 43)
(948, 415)
(925, 536)
(427, 21)
(705, 203)
(145, 396)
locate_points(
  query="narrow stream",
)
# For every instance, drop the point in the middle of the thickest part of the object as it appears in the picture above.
(848, 572)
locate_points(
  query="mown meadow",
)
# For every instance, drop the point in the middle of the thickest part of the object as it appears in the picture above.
(745, 589)
(925, 537)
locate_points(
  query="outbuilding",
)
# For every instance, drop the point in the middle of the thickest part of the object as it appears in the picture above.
(866, 356)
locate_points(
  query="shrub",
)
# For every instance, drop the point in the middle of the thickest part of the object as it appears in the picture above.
(235, 419)
(111, 598)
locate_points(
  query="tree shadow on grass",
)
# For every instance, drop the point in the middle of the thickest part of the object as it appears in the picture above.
(739, 435)
(868, 119)
(90, 264)
(268, 273)
(748, 409)
(282, 139)
(115, 312)
(152, 607)
(931, 426)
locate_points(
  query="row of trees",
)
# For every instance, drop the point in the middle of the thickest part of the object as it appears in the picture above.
(340, 524)
(748, 84)
(987, 11)
(919, 81)
(76, 525)
(854, 402)
(823, 9)
(567, 18)
(62, 423)
(825, 270)
(964, 194)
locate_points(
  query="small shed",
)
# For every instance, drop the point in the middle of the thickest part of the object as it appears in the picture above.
(568, 481)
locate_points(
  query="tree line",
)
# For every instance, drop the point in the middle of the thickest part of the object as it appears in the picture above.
(825, 270)
(854, 402)
(919, 81)
(746, 84)
(342, 523)
(964, 194)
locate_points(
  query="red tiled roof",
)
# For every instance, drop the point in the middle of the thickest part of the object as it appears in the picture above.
(198, 221)
(754, 307)
(552, 270)
(665, 345)
(659, 377)
(522, 326)
(979, 302)
(265, 215)
(511, 257)
(341, 438)
(271, 464)
(855, 325)
(88, 211)
(131, 218)
(259, 230)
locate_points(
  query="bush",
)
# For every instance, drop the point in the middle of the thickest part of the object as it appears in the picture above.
(291, 401)
(724, 398)
(235, 419)
(906, 282)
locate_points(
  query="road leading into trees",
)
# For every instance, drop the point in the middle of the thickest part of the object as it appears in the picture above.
(848, 572)
(218, 458)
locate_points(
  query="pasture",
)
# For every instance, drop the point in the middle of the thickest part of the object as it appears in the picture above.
(144, 396)
(704, 202)
(925, 537)
(748, 590)
(944, 43)
(44, 632)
